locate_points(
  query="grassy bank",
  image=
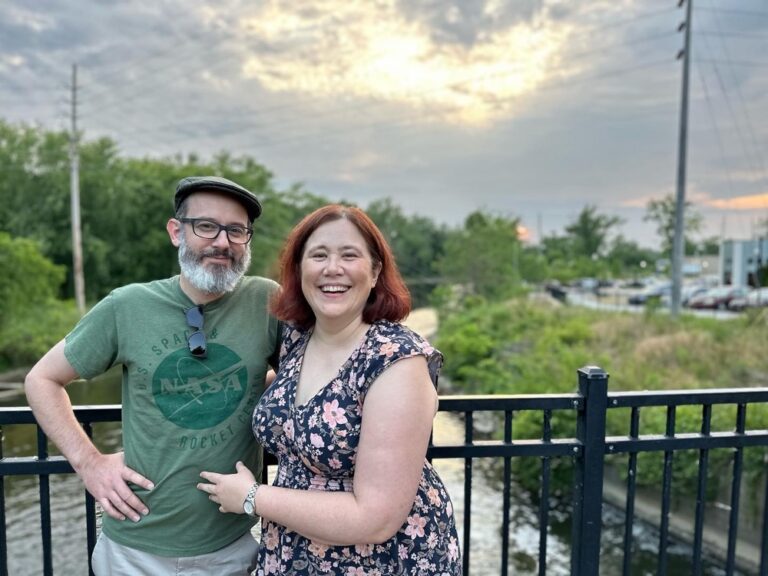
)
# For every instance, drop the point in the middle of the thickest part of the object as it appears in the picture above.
(528, 347)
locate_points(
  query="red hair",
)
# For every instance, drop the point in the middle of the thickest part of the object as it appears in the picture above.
(389, 299)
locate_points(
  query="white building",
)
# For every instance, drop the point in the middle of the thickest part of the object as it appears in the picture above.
(740, 260)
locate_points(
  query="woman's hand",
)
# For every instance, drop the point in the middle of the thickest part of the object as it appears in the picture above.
(228, 490)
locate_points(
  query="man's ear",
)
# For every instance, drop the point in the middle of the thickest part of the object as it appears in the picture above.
(174, 229)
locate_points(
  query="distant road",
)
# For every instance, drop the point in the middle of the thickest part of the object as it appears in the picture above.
(617, 301)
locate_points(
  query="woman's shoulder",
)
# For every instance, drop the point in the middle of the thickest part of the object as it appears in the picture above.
(395, 339)
(392, 341)
(387, 331)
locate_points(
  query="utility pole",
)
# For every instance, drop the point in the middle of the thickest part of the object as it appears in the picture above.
(74, 187)
(678, 249)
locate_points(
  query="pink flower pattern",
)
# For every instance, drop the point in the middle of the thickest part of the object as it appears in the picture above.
(316, 445)
(333, 415)
(415, 527)
(388, 349)
(316, 440)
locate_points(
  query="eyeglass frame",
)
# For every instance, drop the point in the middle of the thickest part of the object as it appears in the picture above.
(199, 348)
(227, 228)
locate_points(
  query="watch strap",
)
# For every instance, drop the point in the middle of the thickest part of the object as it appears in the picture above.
(250, 498)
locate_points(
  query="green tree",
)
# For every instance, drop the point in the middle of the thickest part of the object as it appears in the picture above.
(581, 251)
(558, 254)
(662, 213)
(566, 263)
(534, 267)
(483, 256)
(282, 211)
(625, 257)
(28, 277)
(588, 234)
(417, 243)
(34, 200)
(709, 246)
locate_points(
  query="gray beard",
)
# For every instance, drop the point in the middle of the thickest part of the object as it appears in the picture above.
(213, 278)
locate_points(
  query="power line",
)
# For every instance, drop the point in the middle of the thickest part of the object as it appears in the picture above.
(744, 107)
(736, 124)
(718, 138)
(737, 12)
(730, 34)
(734, 62)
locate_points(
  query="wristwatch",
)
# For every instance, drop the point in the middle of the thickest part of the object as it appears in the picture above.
(249, 504)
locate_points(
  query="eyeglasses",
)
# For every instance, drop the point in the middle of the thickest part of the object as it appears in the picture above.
(209, 229)
(196, 341)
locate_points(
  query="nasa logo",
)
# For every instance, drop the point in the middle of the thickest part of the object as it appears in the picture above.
(197, 394)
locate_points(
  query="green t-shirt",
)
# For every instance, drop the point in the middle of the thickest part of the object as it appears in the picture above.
(181, 414)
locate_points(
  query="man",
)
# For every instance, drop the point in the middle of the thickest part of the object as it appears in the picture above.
(194, 351)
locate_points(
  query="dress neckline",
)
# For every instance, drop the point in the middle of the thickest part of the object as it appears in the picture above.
(301, 352)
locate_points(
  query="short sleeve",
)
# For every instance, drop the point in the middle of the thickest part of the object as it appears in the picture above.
(391, 342)
(91, 347)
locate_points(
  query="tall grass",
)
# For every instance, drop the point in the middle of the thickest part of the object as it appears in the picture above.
(527, 347)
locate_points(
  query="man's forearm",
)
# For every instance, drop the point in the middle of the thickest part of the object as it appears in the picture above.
(53, 410)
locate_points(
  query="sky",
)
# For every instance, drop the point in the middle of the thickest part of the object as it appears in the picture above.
(531, 109)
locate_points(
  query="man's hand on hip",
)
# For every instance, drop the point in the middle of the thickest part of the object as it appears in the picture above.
(106, 477)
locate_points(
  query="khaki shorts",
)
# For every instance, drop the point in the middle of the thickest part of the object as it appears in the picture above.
(113, 559)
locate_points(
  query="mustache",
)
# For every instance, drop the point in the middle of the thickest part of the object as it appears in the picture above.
(216, 253)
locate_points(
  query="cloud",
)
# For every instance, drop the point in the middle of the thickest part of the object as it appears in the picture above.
(8, 61)
(356, 167)
(372, 50)
(33, 21)
(741, 203)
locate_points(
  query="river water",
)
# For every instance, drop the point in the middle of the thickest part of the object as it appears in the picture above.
(68, 511)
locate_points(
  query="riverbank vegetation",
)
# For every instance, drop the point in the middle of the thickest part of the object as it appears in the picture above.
(32, 318)
(530, 346)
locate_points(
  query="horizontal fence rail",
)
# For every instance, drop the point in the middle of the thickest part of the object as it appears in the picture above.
(585, 446)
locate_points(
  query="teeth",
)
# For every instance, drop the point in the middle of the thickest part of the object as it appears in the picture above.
(333, 288)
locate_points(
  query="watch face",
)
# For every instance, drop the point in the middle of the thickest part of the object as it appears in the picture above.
(248, 507)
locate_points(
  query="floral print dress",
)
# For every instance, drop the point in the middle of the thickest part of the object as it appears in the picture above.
(316, 445)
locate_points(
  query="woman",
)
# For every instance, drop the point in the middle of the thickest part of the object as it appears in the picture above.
(349, 417)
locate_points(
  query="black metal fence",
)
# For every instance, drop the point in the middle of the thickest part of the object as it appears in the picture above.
(586, 448)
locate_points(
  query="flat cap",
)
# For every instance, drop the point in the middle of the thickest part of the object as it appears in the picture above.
(192, 184)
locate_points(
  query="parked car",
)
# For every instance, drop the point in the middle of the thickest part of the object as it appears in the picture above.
(717, 298)
(651, 293)
(686, 293)
(738, 304)
(690, 292)
(754, 299)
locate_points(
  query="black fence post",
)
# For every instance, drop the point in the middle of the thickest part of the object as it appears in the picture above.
(588, 471)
